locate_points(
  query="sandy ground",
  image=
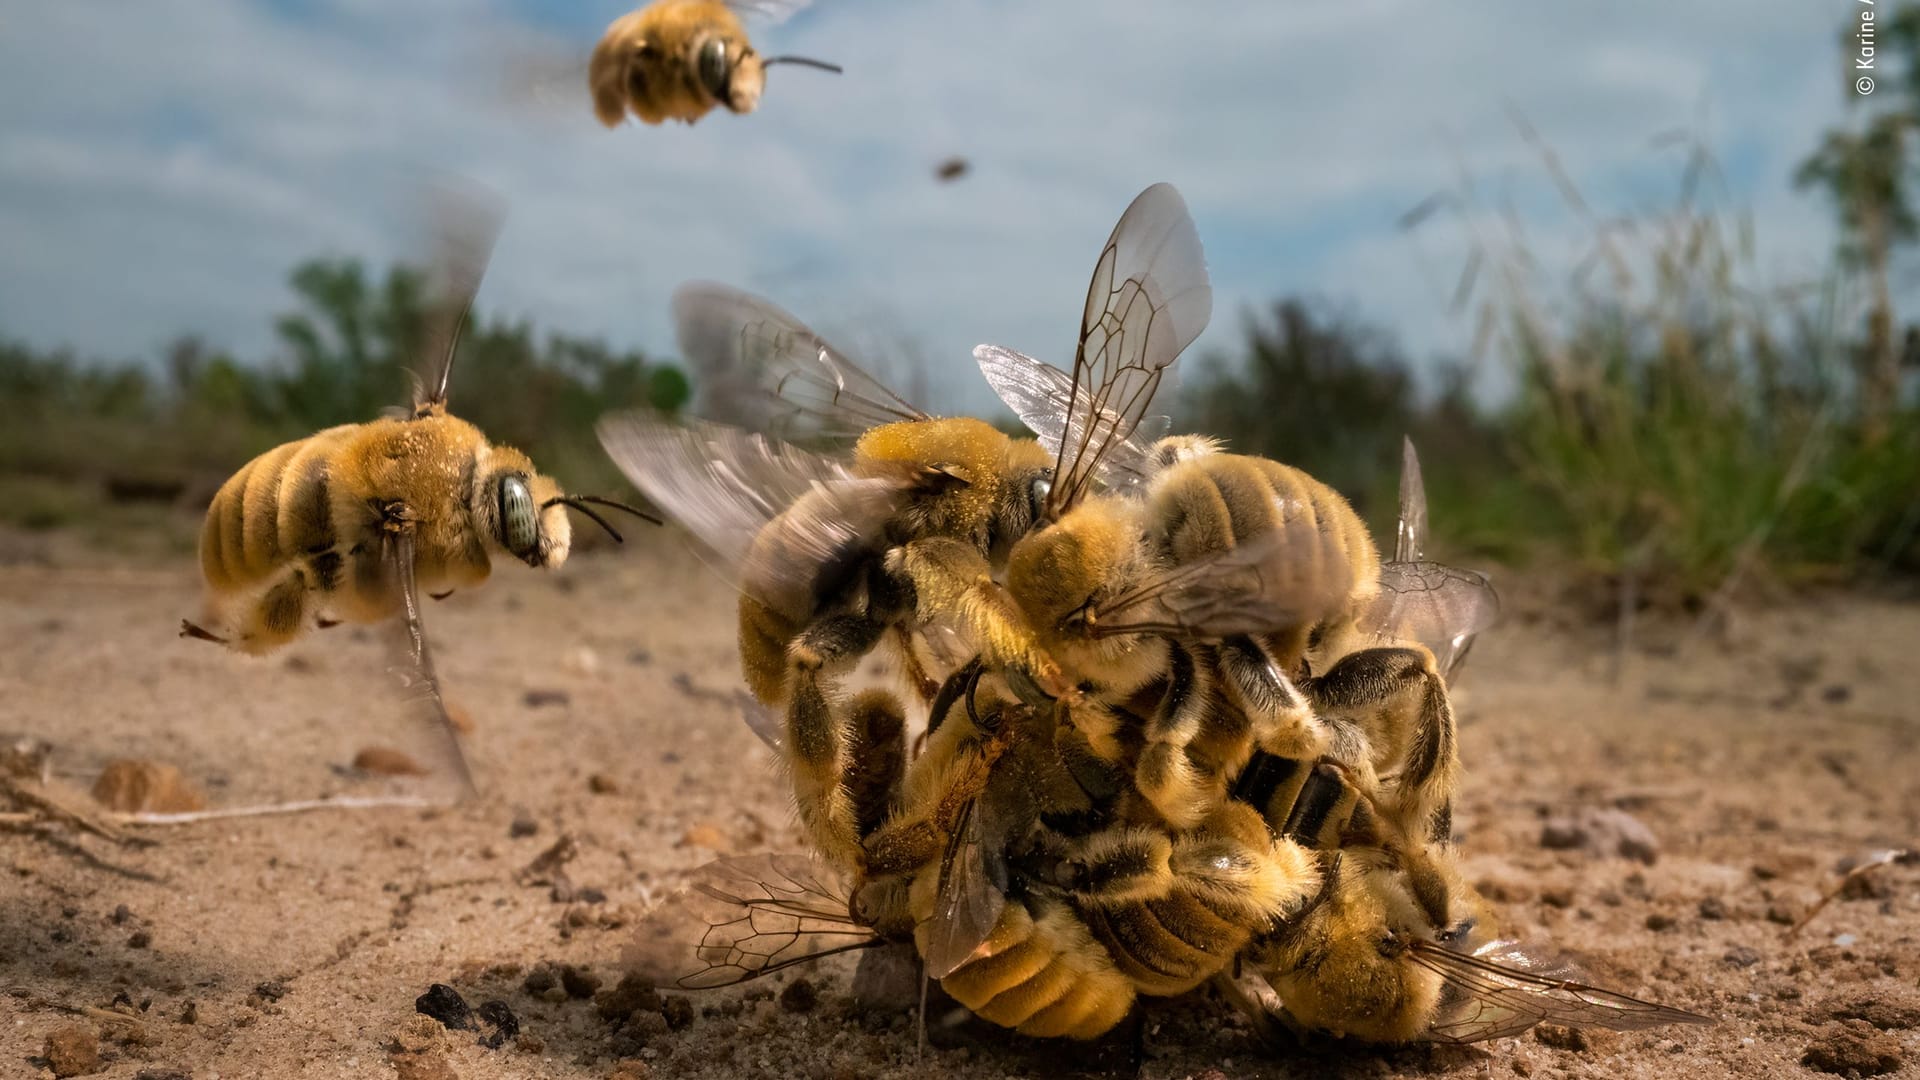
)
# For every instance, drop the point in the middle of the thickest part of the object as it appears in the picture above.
(295, 946)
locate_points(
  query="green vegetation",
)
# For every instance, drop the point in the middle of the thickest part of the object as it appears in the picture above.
(101, 444)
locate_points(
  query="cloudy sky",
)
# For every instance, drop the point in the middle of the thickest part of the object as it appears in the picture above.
(163, 163)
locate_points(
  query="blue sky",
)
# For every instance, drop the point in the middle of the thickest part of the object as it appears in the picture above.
(164, 163)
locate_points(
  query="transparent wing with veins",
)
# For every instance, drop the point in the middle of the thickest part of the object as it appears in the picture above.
(465, 222)
(1439, 606)
(1148, 299)
(760, 368)
(743, 917)
(1042, 395)
(1502, 990)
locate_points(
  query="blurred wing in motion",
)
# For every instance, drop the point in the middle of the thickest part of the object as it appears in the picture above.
(770, 12)
(422, 683)
(760, 368)
(1041, 395)
(762, 722)
(969, 903)
(743, 917)
(1501, 990)
(1265, 584)
(1149, 298)
(465, 224)
(1410, 537)
(779, 519)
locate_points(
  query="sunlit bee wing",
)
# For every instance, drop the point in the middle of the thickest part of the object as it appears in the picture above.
(969, 902)
(726, 486)
(1441, 607)
(1041, 396)
(417, 673)
(744, 917)
(466, 221)
(760, 368)
(1410, 537)
(1501, 990)
(1265, 584)
(1149, 298)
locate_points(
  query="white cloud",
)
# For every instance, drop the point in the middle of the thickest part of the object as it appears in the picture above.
(162, 165)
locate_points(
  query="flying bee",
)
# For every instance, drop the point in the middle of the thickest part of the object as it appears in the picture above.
(834, 558)
(353, 523)
(679, 59)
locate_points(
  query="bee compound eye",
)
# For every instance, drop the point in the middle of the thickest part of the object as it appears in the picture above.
(713, 67)
(519, 519)
(1038, 490)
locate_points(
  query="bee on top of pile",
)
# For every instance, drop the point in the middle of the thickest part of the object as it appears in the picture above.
(1182, 724)
(356, 522)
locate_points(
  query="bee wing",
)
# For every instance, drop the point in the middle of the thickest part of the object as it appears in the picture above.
(1441, 607)
(466, 222)
(779, 519)
(419, 677)
(1149, 298)
(1268, 583)
(1410, 536)
(1502, 990)
(1041, 395)
(970, 899)
(761, 721)
(762, 369)
(771, 12)
(743, 917)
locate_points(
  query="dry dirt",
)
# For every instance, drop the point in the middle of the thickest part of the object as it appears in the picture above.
(1758, 759)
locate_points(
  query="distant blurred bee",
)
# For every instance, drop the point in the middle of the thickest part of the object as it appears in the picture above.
(354, 522)
(952, 169)
(678, 59)
(832, 558)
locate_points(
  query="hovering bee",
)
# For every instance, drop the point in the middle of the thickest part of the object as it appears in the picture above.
(354, 522)
(678, 59)
(834, 558)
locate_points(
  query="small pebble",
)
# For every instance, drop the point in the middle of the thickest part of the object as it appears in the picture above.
(678, 1012)
(1713, 908)
(505, 1024)
(602, 784)
(579, 983)
(539, 698)
(1844, 940)
(1658, 921)
(631, 994)
(444, 1003)
(799, 996)
(139, 939)
(522, 827)
(1741, 956)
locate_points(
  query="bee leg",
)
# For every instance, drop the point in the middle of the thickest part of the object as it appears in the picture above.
(1235, 868)
(1120, 865)
(1251, 994)
(876, 756)
(1283, 721)
(949, 579)
(818, 735)
(1398, 703)
(926, 685)
(277, 617)
(194, 631)
(1181, 786)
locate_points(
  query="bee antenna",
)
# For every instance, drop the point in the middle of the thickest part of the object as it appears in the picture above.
(579, 502)
(802, 60)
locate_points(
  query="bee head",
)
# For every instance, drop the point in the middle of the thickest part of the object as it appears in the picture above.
(729, 70)
(1057, 574)
(518, 510)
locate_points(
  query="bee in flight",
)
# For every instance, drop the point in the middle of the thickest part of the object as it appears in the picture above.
(354, 522)
(678, 59)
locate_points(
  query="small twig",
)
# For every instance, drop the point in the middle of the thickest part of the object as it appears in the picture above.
(38, 796)
(345, 802)
(17, 819)
(1885, 858)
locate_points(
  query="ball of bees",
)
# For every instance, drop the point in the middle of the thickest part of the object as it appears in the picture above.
(680, 59)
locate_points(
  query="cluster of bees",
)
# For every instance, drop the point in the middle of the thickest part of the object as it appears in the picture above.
(1154, 715)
